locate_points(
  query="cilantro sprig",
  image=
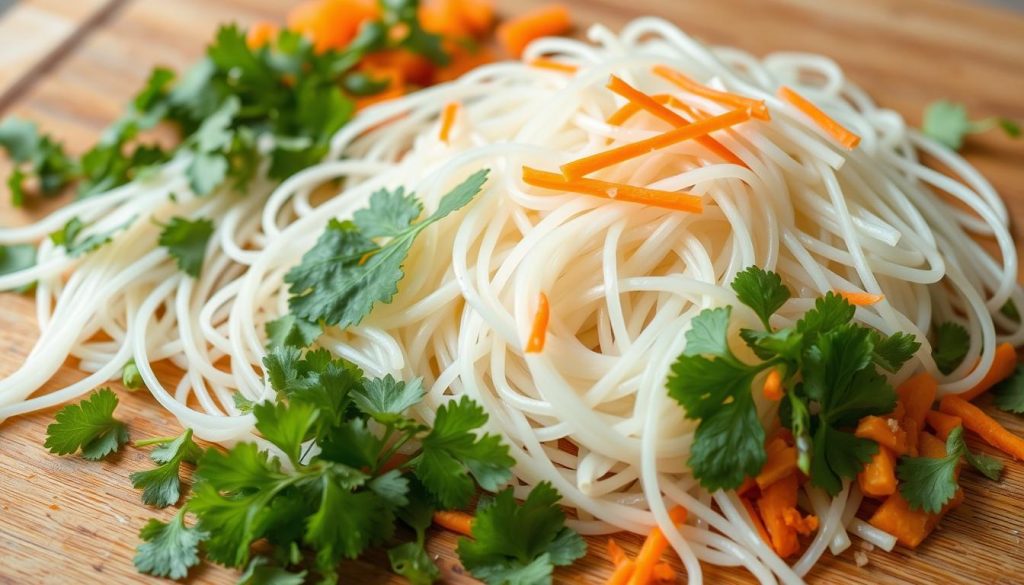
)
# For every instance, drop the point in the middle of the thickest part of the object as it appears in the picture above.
(161, 486)
(929, 483)
(947, 122)
(88, 425)
(830, 370)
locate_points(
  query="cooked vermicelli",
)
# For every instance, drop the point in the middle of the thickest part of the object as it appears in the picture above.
(589, 413)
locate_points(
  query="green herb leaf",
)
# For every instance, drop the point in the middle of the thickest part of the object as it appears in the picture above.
(89, 425)
(261, 572)
(1009, 394)
(186, 241)
(930, 483)
(67, 237)
(950, 347)
(168, 550)
(15, 258)
(161, 486)
(291, 331)
(131, 378)
(947, 123)
(286, 425)
(762, 291)
(386, 399)
(20, 138)
(895, 350)
(411, 561)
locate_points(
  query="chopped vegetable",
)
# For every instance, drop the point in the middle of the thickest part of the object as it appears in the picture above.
(848, 139)
(15, 258)
(984, 426)
(929, 483)
(615, 191)
(261, 33)
(516, 33)
(654, 546)
(539, 331)
(780, 463)
(860, 299)
(161, 486)
(1003, 366)
(89, 425)
(755, 108)
(773, 386)
(878, 479)
(910, 527)
(917, 395)
(186, 242)
(547, 63)
(331, 24)
(131, 378)
(615, 552)
(623, 572)
(582, 167)
(520, 543)
(451, 110)
(777, 502)
(458, 522)
(884, 431)
(34, 155)
(1009, 394)
(755, 519)
(943, 423)
(947, 123)
(950, 346)
(170, 549)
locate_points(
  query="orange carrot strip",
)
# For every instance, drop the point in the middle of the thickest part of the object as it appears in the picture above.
(943, 423)
(860, 299)
(773, 503)
(756, 519)
(539, 331)
(595, 162)
(985, 426)
(615, 552)
(878, 478)
(664, 572)
(773, 386)
(756, 108)
(653, 547)
(331, 24)
(1003, 365)
(630, 109)
(260, 34)
(546, 21)
(651, 105)
(448, 120)
(917, 395)
(459, 522)
(780, 463)
(884, 431)
(848, 139)
(622, 573)
(548, 63)
(615, 191)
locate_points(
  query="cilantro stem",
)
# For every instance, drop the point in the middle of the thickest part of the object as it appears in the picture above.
(153, 441)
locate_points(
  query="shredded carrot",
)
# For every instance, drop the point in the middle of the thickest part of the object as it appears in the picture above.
(917, 395)
(653, 547)
(780, 463)
(1003, 366)
(943, 423)
(615, 552)
(773, 504)
(664, 572)
(459, 522)
(539, 331)
(848, 139)
(516, 33)
(860, 299)
(615, 191)
(630, 109)
(878, 478)
(756, 519)
(623, 572)
(595, 162)
(885, 431)
(773, 386)
(548, 63)
(755, 108)
(985, 426)
(448, 120)
(331, 24)
(260, 34)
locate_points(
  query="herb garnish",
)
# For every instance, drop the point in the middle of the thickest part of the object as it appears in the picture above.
(929, 483)
(89, 425)
(947, 122)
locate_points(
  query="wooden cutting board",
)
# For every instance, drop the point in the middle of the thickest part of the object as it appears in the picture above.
(65, 520)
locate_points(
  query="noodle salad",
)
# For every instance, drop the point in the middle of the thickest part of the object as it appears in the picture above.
(628, 284)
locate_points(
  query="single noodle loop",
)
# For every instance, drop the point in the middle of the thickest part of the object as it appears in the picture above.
(588, 413)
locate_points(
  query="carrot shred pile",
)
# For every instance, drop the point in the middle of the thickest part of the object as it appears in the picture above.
(848, 139)
(451, 110)
(545, 21)
(756, 108)
(548, 63)
(616, 191)
(539, 331)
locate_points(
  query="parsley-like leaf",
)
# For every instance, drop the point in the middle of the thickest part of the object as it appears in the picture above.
(161, 486)
(950, 347)
(386, 399)
(186, 241)
(762, 291)
(286, 425)
(948, 123)
(67, 237)
(292, 331)
(520, 544)
(15, 258)
(168, 550)
(261, 572)
(89, 425)
(1009, 394)
(892, 351)
(930, 483)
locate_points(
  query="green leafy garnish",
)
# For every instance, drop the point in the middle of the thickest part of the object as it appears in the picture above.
(950, 346)
(186, 241)
(35, 155)
(1009, 394)
(292, 331)
(261, 572)
(89, 425)
(168, 549)
(161, 486)
(930, 483)
(947, 122)
(67, 237)
(762, 291)
(131, 378)
(15, 258)
(341, 278)
(520, 544)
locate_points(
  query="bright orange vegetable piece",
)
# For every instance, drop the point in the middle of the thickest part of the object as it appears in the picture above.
(623, 572)
(630, 109)
(401, 65)
(649, 104)
(615, 191)
(917, 395)
(595, 162)
(546, 21)
(755, 108)
(451, 110)
(459, 522)
(615, 552)
(262, 33)
(932, 446)
(860, 299)
(653, 548)
(463, 61)
(878, 479)
(773, 386)
(664, 572)
(884, 431)
(1003, 366)
(943, 423)
(477, 15)
(848, 139)
(539, 331)
(984, 426)
(775, 500)
(780, 463)
(803, 525)
(547, 63)
(756, 519)
(331, 24)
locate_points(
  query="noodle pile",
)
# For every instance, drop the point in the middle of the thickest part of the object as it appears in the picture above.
(590, 413)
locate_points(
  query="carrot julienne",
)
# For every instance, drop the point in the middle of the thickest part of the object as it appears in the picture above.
(615, 191)
(860, 299)
(451, 110)
(1003, 365)
(653, 547)
(848, 139)
(630, 109)
(623, 572)
(539, 331)
(548, 63)
(986, 427)
(757, 108)
(595, 162)
(649, 104)
(459, 522)
(615, 552)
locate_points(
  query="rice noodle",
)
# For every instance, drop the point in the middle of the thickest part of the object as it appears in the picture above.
(589, 413)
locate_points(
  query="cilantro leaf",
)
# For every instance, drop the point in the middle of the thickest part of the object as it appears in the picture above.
(67, 237)
(292, 331)
(390, 213)
(168, 550)
(708, 333)
(260, 572)
(131, 378)
(929, 483)
(43, 157)
(838, 455)
(161, 486)
(451, 453)
(286, 425)
(892, 351)
(1009, 394)
(15, 258)
(186, 241)
(950, 347)
(947, 123)
(89, 425)
(347, 522)
(20, 138)
(829, 312)
(411, 561)
(386, 399)
(346, 273)
(762, 291)
(520, 544)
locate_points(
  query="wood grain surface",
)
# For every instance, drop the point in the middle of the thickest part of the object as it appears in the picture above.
(65, 520)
